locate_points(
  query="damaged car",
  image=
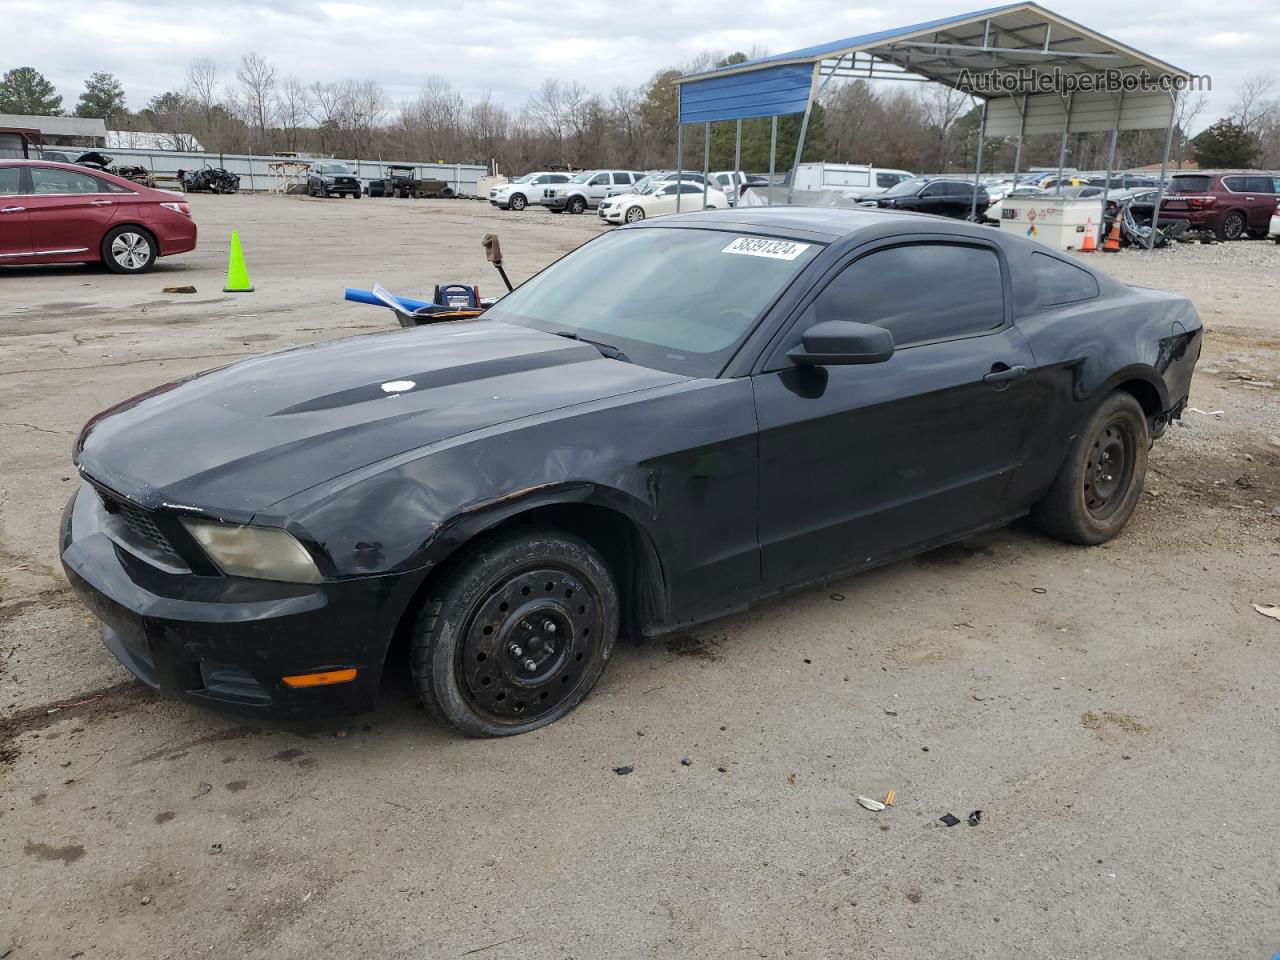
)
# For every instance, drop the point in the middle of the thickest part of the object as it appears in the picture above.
(758, 400)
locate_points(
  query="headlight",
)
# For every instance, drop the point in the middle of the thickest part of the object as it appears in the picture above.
(262, 552)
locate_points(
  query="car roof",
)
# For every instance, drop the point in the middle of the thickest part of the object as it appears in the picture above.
(817, 223)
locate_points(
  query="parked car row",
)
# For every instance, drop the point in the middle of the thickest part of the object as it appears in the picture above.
(622, 195)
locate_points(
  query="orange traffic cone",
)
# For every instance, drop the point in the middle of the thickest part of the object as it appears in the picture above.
(1090, 245)
(1112, 243)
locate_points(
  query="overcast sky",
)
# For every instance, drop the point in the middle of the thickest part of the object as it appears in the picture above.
(508, 47)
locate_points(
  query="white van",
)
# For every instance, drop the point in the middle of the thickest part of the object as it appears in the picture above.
(853, 180)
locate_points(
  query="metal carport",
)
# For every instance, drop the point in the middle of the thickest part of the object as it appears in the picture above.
(1046, 74)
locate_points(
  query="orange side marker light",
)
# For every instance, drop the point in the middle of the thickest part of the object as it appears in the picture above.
(320, 679)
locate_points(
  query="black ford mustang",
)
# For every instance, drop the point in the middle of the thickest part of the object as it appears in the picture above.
(755, 400)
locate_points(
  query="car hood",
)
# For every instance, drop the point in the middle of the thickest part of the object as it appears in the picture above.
(232, 441)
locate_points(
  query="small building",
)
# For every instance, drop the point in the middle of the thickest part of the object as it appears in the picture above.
(60, 131)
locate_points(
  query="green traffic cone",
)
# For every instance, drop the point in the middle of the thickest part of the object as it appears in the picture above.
(237, 274)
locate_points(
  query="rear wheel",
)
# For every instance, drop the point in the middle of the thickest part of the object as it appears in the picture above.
(516, 634)
(1100, 481)
(1232, 226)
(129, 249)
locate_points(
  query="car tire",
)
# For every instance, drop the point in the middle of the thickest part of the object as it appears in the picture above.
(1259, 233)
(1100, 481)
(633, 215)
(1232, 226)
(128, 249)
(516, 633)
(577, 205)
(517, 202)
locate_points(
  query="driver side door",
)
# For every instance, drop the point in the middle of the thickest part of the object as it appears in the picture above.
(862, 463)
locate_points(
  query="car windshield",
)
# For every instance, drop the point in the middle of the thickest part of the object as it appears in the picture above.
(583, 177)
(525, 179)
(907, 188)
(680, 300)
(334, 168)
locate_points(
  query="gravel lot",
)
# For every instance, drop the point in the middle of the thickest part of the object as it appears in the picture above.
(1112, 711)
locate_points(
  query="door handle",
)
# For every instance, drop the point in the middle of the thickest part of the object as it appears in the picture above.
(99, 203)
(12, 209)
(1005, 374)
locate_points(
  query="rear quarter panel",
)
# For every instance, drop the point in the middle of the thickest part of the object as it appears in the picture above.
(1083, 351)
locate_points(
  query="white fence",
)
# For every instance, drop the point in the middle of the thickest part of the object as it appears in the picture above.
(254, 173)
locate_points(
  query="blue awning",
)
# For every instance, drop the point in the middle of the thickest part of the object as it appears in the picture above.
(774, 91)
(1009, 39)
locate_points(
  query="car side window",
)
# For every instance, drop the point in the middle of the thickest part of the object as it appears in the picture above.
(557, 178)
(668, 190)
(619, 178)
(107, 186)
(1061, 282)
(919, 292)
(51, 180)
(599, 179)
(1258, 184)
(1234, 184)
(934, 190)
(10, 181)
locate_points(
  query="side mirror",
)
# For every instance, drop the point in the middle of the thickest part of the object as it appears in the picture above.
(841, 342)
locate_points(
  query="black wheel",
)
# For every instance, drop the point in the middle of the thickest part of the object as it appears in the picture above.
(129, 249)
(516, 634)
(1100, 481)
(1232, 226)
(518, 202)
(633, 214)
(577, 204)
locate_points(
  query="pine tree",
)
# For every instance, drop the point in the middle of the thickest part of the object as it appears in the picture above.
(25, 90)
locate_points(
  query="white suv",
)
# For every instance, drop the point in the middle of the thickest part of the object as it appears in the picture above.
(587, 189)
(521, 192)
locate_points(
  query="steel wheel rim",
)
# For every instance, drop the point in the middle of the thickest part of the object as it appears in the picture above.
(131, 250)
(529, 643)
(1108, 470)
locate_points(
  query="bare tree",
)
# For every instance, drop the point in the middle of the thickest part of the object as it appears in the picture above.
(943, 106)
(1186, 110)
(369, 109)
(328, 107)
(202, 82)
(1252, 100)
(256, 96)
(295, 102)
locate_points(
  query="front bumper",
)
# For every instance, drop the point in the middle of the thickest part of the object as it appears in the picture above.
(553, 203)
(227, 642)
(611, 215)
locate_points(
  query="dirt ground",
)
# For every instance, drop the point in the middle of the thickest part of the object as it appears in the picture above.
(1113, 712)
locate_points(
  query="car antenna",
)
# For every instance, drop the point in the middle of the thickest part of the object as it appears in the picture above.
(493, 251)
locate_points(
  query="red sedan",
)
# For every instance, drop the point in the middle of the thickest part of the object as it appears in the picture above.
(63, 213)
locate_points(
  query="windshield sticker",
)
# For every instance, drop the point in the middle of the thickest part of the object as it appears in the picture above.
(760, 247)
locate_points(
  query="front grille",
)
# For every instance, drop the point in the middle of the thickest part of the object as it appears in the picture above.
(141, 524)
